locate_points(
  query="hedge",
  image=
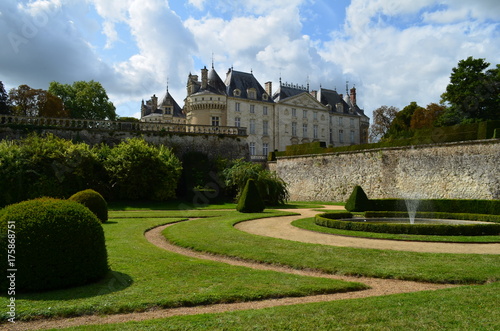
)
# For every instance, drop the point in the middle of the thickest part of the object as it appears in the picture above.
(439, 205)
(410, 229)
(437, 215)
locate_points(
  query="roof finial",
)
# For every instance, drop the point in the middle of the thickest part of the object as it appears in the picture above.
(347, 87)
(307, 83)
(212, 60)
(167, 85)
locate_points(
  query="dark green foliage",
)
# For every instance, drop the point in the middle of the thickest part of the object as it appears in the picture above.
(271, 187)
(47, 166)
(139, 170)
(5, 104)
(250, 200)
(58, 244)
(358, 201)
(411, 229)
(93, 201)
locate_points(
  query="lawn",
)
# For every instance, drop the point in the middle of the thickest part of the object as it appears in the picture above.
(145, 276)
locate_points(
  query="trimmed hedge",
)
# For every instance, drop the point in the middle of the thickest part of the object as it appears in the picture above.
(93, 201)
(440, 205)
(57, 243)
(438, 215)
(411, 229)
(250, 200)
(358, 201)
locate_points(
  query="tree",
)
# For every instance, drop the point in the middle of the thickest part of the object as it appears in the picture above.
(4, 100)
(27, 101)
(426, 117)
(382, 119)
(400, 126)
(473, 93)
(87, 100)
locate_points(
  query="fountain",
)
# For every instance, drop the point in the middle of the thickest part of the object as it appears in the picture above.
(412, 206)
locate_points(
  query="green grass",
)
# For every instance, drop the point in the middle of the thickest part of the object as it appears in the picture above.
(217, 235)
(308, 224)
(463, 308)
(145, 276)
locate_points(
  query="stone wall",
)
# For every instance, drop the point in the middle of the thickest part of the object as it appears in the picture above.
(215, 146)
(466, 170)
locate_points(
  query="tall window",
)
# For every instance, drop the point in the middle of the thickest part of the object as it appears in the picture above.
(215, 120)
(341, 136)
(315, 131)
(252, 126)
(252, 109)
(264, 110)
(341, 122)
(304, 113)
(331, 136)
(352, 122)
(237, 122)
(315, 115)
(265, 149)
(304, 130)
(237, 106)
(294, 129)
(252, 148)
(294, 112)
(265, 126)
(352, 136)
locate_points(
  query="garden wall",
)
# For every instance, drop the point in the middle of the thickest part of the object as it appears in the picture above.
(464, 170)
(224, 146)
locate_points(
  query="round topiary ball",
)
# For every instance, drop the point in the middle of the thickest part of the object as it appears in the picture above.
(51, 244)
(93, 201)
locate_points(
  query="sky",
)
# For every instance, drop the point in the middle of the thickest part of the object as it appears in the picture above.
(393, 51)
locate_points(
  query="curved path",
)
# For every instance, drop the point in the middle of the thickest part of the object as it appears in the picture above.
(280, 227)
(378, 286)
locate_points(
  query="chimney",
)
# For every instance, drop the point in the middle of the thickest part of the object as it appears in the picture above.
(269, 88)
(154, 103)
(204, 78)
(353, 96)
(314, 93)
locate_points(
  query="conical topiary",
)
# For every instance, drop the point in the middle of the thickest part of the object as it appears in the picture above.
(250, 200)
(358, 201)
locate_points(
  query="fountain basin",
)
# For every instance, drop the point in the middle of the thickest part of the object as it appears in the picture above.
(416, 221)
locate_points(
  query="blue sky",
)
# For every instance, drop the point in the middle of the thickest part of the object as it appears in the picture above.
(393, 51)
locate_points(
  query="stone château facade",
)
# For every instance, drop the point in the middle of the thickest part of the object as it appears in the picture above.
(290, 115)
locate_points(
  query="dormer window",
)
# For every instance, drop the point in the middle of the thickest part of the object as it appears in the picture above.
(252, 94)
(265, 96)
(237, 93)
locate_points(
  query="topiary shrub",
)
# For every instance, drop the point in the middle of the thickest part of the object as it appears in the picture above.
(93, 201)
(250, 200)
(57, 244)
(358, 201)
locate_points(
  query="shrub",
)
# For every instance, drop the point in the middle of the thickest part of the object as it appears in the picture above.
(93, 201)
(58, 244)
(139, 170)
(250, 200)
(358, 201)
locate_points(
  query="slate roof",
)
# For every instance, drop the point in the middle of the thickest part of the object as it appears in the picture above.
(243, 81)
(286, 91)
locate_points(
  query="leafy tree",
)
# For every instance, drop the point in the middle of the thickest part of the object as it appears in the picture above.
(87, 100)
(426, 117)
(36, 102)
(400, 126)
(473, 93)
(4, 100)
(382, 119)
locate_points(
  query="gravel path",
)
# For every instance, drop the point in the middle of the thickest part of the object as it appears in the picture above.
(280, 227)
(378, 287)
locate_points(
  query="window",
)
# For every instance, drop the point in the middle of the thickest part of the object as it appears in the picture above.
(315, 114)
(265, 148)
(251, 93)
(341, 121)
(304, 130)
(315, 132)
(294, 112)
(252, 126)
(352, 122)
(237, 122)
(264, 97)
(215, 120)
(331, 136)
(237, 106)
(265, 125)
(252, 109)
(341, 136)
(237, 93)
(252, 148)
(304, 113)
(352, 137)
(294, 129)
(264, 110)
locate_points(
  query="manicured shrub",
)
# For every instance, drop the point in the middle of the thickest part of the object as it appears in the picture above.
(139, 170)
(58, 244)
(93, 201)
(250, 200)
(358, 201)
